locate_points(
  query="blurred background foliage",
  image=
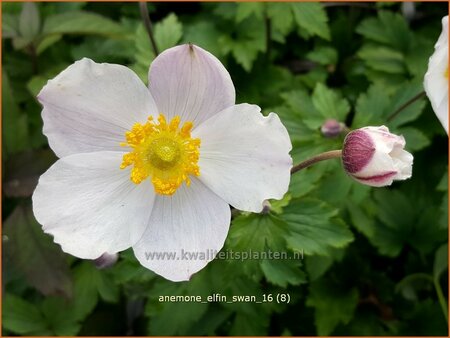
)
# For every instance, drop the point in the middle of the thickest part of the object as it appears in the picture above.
(374, 259)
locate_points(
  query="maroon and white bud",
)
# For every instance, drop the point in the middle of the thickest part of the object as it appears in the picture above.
(376, 157)
(106, 260)
(332, 128)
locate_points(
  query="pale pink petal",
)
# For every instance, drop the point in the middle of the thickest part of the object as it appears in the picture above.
(436, 78)
(244, 156)
(190, 82)
(89, 107)
(443, 38)
(185, 232)
(90, 206)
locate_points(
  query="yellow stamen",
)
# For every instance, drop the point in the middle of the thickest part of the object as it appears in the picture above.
(446, 73)
(162, 152)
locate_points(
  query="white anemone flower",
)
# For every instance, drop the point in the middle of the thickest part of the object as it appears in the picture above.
(436, 78)
(155, 168)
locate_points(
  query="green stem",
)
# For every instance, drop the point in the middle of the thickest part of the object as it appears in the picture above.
(405, 105)
(148, 25)
(441, 298)
(321, 157)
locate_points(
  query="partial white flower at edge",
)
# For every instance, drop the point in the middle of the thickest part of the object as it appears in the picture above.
(155, 168)
(436, 78)
(374, 156)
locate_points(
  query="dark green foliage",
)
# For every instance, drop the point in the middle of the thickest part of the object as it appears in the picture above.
(360, 261)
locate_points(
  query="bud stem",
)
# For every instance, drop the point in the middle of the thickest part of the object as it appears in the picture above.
(321, 157)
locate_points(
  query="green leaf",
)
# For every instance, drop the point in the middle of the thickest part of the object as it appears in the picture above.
(128, 270)
(440, 261)
(22, 317)
(382, 59)
(80, 22)
(35, 255)
(15, 136)
(89, 283)
(329, 103)
(10, 25)
(311, 17)
(283, 272)
(403, 95)
(417, 57)
(303, 183)
(281, 17)
(404, 222)
(302, 110)
(47, 41)
(389, 28)
(415, 139)
(396, 29)
(361, 217)
(211, 321)
(332, 305)
(314, 227)
(336, 187)
(411, 286)
(253, 326)
(246, 9)
(371, 107)
(204, 33)
(323, 55)
(424, 318)
(29, 21)
(104, 50)
(317, 266)
(59, 320)
(173, 318)
(144, 54)
(168, 32)
(371, 29)
(256, 233)
(249, 42)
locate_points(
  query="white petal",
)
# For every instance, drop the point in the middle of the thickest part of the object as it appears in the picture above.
(436, 78)
(443, 38)
(89, 107)
(379, 165)
(90, 205)
(192, 225)
(244, 156)
(402, 162)
(442, 112)
(190, 82)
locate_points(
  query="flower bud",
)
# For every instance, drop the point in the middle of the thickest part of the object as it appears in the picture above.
(332, 128)
(106, 260)
(375, 157)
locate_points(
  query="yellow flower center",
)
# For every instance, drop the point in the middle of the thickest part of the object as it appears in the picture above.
(446, 73)
(163, 152)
